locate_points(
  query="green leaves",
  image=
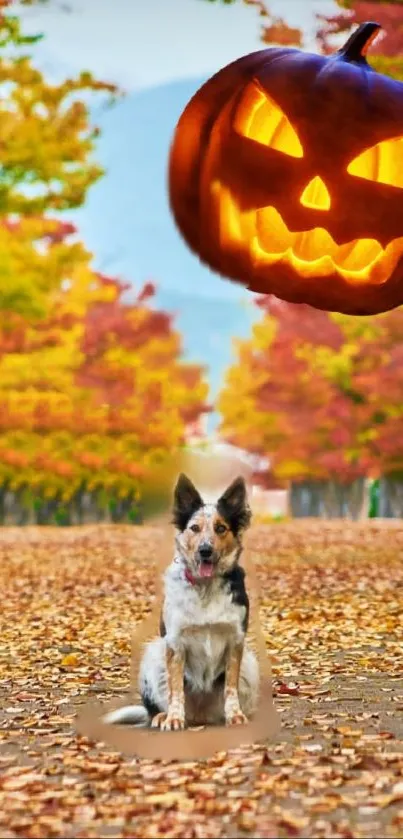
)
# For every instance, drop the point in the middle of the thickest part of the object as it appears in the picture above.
(11, 33)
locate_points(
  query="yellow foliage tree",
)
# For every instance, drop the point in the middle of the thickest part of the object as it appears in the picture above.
(46, 167)
(91, 400)
(94, 393)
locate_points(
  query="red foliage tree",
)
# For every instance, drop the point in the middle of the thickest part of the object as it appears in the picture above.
(321, 418)
(386, 53)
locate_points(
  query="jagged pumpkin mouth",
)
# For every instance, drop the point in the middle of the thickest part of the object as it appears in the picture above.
(310, 253)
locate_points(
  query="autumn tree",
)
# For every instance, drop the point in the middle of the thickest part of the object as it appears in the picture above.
(367, 439)
(94, 392)
(321, 398)
(385, 54)
(377, 380)
(92, 400)
(46, 167)
(274, 29)
(134, 367)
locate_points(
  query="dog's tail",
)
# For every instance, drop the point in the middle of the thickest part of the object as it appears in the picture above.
(128, 715)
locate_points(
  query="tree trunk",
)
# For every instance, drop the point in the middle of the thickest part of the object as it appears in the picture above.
(3, 494)
(343, 501)
(76, 506)
(87, 508)
(328, 499)
(306, 499)
(390, 504)
(17, 507)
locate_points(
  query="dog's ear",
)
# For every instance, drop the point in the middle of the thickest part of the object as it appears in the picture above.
(186, 501)
(233, 506)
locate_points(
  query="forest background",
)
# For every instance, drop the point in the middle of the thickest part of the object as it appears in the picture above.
(96, 392)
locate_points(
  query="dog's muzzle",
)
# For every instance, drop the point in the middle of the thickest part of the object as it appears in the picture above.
(206, 559)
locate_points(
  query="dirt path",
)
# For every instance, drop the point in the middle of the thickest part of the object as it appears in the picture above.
(332, 613)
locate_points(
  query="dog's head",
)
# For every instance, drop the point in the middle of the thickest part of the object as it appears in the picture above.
(210, 535)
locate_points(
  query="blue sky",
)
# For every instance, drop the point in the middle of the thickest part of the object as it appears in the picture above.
(159, 51)
(141, 43)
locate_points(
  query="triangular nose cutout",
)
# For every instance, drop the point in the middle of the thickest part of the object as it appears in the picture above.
(316, 195)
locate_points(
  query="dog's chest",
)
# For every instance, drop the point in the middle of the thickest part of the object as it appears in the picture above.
(202, 624)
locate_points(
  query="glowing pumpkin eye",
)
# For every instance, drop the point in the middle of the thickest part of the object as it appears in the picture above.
(259, 118)
(382, 163)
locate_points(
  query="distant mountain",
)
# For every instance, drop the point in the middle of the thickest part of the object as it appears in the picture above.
(127, 224)
(208, 327)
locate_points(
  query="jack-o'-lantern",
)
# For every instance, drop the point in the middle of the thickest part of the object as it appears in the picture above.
(286, 175)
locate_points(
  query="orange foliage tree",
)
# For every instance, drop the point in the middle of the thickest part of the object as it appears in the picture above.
(91, 398)
(386, 55)
(387, 52)
(319, 395)
(274, 29)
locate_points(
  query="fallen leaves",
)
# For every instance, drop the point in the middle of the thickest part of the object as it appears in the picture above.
(281, 689)
(332, 606)
(21, 781)
(70, 660)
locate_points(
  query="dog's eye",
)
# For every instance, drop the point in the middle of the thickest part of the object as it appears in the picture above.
(220, 528)
(195, 528)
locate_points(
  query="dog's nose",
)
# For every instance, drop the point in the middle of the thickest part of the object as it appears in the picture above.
(205, 551)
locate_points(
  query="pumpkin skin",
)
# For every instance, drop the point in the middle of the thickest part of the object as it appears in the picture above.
(286, 175)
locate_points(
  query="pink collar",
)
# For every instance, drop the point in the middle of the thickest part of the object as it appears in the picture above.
(190, 578)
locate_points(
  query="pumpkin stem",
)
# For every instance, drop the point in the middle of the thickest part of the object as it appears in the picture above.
(356, 47)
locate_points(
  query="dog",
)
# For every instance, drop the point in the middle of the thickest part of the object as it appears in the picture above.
(200, 671)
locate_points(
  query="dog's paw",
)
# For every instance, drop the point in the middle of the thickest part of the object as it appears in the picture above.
(168, 722)
(236, 718)
(173, 723)
(232, 709)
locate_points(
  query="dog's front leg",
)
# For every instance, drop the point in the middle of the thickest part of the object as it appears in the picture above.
(232, 708)
(174, 718)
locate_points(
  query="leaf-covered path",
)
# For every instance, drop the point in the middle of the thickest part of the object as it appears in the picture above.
(332, 613)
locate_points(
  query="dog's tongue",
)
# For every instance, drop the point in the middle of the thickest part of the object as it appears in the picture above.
(206, 569)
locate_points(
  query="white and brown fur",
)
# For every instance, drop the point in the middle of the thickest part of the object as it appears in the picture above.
(200, 670)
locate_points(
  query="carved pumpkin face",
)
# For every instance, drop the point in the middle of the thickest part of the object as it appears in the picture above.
(286, 174)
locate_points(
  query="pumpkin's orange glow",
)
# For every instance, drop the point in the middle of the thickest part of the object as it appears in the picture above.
(259, 118)
(381, 163)
(316, 195)
(286, 176)
(311, 252)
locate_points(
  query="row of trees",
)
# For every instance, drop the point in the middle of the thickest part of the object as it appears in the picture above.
(94, 393)
(320, 395)
(92, 398)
